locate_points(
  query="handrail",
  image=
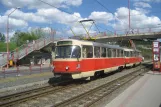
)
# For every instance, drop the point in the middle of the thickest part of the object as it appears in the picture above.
(25, 49)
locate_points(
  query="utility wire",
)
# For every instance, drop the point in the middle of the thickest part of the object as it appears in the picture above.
(107, 9)
(57, 8)
(103, 6)
(66, 11)
(117, 17)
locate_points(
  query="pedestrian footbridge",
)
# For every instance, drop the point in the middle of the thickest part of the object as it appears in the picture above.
(24, 50)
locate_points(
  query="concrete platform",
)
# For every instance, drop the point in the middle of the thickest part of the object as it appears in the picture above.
(146, 92)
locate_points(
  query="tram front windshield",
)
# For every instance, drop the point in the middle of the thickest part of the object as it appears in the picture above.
(68, 52)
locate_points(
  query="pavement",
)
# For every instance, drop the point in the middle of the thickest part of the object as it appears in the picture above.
(24, 67)
(146, 92)
(24, 79)
(24, 70)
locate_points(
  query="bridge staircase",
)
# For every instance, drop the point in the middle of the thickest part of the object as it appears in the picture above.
(24, 50)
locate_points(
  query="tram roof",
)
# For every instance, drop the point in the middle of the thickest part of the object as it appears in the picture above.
(93, 43)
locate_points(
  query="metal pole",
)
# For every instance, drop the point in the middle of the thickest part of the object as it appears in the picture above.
(129, 13)
(51, 33)
(115, 26)
(72, 32)
(86, 30)
(7, 40)
(8, 34)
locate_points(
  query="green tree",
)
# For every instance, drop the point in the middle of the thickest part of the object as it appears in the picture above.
(21, 38)
(2, 37)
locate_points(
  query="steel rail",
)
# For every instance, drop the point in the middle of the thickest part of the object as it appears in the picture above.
(14, 95)
(16, 98)
(111, 86)
(114, 88)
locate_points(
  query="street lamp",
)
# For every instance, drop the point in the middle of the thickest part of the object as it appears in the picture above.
(8, 32)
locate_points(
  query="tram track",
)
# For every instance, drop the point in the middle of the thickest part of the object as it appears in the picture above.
(93, 96)
(22, 97)
(17, 98)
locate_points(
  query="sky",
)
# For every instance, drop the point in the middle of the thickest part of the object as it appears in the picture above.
(111, 16)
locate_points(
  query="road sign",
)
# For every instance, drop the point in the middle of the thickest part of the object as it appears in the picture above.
(156, 55)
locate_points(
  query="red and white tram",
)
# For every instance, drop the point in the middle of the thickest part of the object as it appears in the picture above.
(84, 59)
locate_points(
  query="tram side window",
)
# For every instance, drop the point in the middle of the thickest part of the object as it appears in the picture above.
(97, 52)
(118, 53)
(87, 51)
(133, 53)
(109, 54)
(103, 53)
(114, 52)
(126, 54)
(129, 54)
(139, 54)
(122, 53)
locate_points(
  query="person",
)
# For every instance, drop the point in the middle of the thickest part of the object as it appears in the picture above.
(33, 41)
(84, 52)
(142, 58)
(89, 55)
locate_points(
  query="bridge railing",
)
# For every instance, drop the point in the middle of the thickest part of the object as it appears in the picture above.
(24, 50)
(139, 31)
(124, 32)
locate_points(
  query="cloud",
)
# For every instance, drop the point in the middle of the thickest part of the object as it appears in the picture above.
(56, 15)
(13, 23)
(138, 20)
(142, 10)
(32, 4)
(148, 0)
(101, 17)
(73, 2)
(142, 4)
(29, 17)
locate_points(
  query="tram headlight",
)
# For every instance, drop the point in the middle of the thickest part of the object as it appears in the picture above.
(66, 67)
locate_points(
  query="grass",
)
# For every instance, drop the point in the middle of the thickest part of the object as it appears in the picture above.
(3, 46)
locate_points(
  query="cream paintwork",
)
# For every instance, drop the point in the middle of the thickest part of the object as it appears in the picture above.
(91, 73)
(68, 59)
(129, 65)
